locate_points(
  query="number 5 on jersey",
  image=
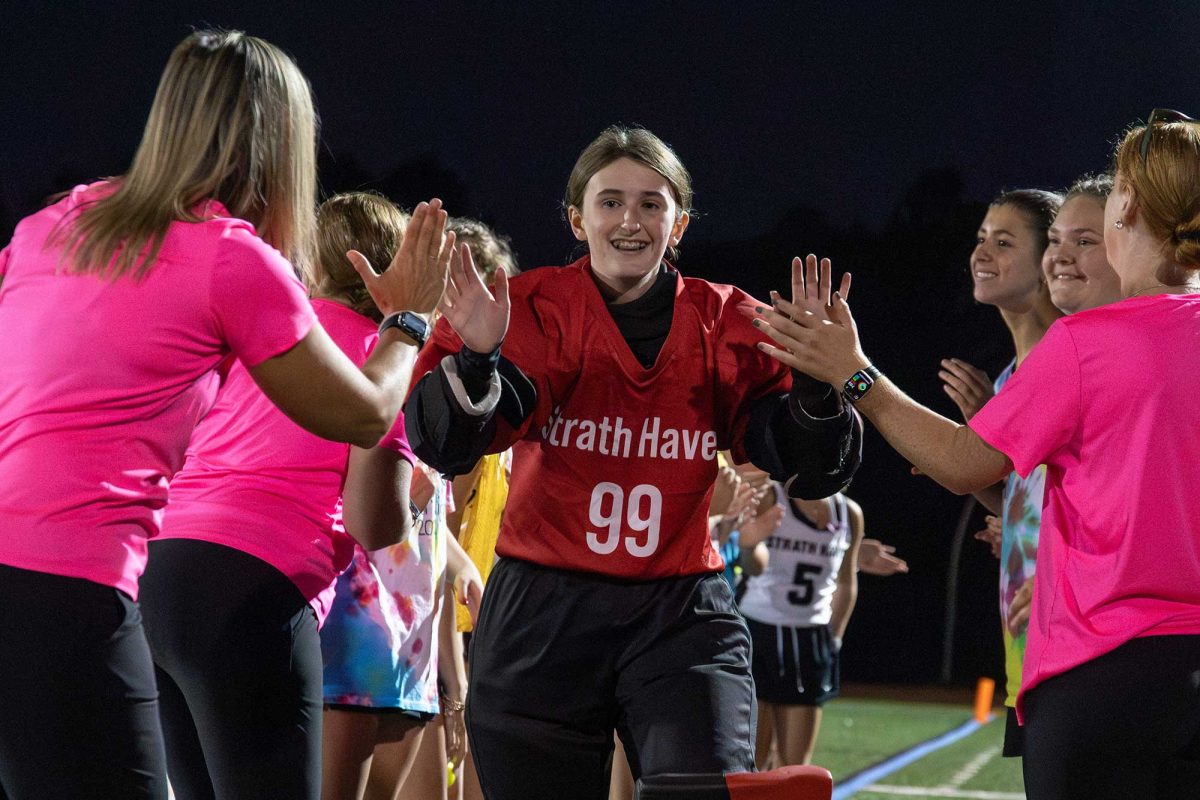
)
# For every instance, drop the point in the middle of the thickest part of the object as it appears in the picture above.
(643, 512)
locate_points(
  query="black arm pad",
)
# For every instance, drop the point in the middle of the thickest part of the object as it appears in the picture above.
(812, 458)
(447, 438)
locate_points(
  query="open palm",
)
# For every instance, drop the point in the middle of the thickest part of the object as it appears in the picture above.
(479, 318)
(812, 285)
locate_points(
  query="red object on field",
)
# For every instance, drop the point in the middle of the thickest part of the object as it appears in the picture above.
(785, 783)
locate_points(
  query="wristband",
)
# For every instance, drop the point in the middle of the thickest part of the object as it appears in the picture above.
(410, 324)
(858, 384)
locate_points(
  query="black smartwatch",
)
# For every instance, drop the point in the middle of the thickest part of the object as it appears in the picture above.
(860, 383)
(410, 324)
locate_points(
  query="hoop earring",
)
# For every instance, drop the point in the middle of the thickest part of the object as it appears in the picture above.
(1118, 224)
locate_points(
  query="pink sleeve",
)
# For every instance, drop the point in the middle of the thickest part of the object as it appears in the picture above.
(1036, 414)
(4, 260)
(396, 440)
(260, 305)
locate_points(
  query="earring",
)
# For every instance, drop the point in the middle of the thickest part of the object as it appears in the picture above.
(1118, 224)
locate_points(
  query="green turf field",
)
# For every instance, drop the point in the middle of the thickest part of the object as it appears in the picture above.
(857, 734)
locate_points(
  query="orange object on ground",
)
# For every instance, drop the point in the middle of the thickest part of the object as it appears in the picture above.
(985, 690)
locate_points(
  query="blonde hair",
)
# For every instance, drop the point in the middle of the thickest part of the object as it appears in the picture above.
(232, 121)
(362, 221)
(491, 251)
(1166, 187)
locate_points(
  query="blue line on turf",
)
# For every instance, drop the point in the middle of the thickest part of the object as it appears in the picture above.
(874, 774)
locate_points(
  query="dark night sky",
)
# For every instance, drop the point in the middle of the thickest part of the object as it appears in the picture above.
(776, 108)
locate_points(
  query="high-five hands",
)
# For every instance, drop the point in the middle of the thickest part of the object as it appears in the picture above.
(815, 333)
(478, 317)
(417, 275)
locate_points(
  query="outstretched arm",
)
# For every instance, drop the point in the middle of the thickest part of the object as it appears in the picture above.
(320, 389)
(828, 349)
(809, 439)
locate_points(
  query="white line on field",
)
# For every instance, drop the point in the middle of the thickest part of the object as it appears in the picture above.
(944, 791)
(972, 767)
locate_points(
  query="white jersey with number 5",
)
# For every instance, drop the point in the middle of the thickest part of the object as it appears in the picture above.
(796, 588)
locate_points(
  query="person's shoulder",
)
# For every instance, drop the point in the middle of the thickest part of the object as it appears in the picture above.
(235, 242)
(73, 200)
(547, 281)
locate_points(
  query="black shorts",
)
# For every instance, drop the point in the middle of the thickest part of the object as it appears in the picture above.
(794, 666)
(559, 659)
(1123, 726)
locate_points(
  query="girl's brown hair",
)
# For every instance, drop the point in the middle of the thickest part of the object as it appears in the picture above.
(491, 252)
(362, 221)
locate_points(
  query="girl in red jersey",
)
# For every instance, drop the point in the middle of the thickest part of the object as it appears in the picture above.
(616, 380)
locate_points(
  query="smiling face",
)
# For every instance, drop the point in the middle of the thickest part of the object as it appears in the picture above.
(1006, 261)
(628, 218)
(1076, 265)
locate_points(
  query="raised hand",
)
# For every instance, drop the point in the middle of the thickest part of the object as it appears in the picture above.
(969, 387)
(759, 526)
(992, 534)
(822, 343)
(812, 285)
(1020, 607)
(417, 275)
(875, 558)
(479, 318)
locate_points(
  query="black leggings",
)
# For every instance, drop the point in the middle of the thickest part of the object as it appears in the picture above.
(238, 663)
(78, 709)
(559, 659)
(1123, 726)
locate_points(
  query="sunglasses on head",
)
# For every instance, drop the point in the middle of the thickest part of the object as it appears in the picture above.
(1161, 115)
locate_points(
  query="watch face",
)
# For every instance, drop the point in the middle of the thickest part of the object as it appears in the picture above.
(857, 385)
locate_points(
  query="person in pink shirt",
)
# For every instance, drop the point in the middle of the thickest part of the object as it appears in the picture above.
(242, 575)
(1110, 696)
(118, 304)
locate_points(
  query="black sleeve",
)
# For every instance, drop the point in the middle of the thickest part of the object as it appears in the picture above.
(450, 416)
(808, 440)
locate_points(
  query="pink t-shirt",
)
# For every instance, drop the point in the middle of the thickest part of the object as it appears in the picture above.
(1103, 401)
(258, 482)
(102, 381)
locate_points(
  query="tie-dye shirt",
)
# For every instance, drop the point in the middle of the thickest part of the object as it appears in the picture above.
(1022, 519)
(379, 643)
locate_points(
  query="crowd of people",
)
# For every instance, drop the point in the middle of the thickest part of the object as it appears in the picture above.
(261, 459)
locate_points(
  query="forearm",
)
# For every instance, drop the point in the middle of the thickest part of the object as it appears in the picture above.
(753, 561)
(319, 388)
(375, 507)
(844, 599)
(949, 453)
(991, 498)
(451, 667)
(813, 457)
(457, 560)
